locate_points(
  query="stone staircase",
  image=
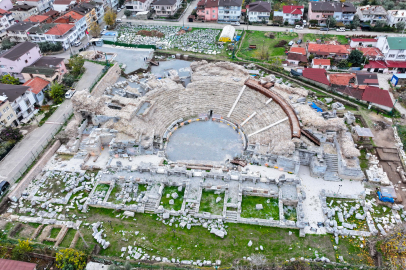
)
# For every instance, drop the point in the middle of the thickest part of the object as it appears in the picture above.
(150, 206)
(332, 167)
(193, 209)
(231, 216)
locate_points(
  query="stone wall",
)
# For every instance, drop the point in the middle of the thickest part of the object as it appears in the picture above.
(110, 78)
(34, 171)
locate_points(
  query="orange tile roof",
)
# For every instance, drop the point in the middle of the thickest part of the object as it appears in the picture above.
(71, 14)
(371, 51)
(36, 18)
(2, 11)
(323, 62)
(323, 48)
(36, 84)
(59, 29)
(341, 79)
(298, 50)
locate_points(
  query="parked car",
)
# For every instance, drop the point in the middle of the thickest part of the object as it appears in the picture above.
(291, 43)
(235, 23)
(341, 29)
(118, 10)
(299, 41)
(4, 185)
(118, 20)
(77, 43)
(299, 27)
(324, 29)
(304, 22)
(70, 93)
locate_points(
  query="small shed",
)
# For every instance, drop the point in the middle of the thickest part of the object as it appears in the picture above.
(362, 133)
(227, 35)
(398, 79)
(142, 15)
(98, 42)
(110, 36)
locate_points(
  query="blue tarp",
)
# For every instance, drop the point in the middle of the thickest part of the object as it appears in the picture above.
(237, 38)
(314, 106)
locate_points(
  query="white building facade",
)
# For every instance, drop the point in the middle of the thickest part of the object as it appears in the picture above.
(395, 16)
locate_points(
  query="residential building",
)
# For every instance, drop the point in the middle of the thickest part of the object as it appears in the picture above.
(378, 97)
(18, 31)
(393, 48)
(363, 42)
(372, 14)
(38, 86)
(366, 78)
(296, 58)
(6, 20)
(341, 79)
(290, 14)
(165, 8)
(47, 67)
(22, 12)
(94, 12)
(64, 33)
(22, 101)
(327, 51)
(229, 11)
(42, 5)
(76, 19)
(321, 63)
(7, 114)
(141, 5)
(376, 66)
(259, 11)
(39, 19)
(18, 57)
(299, 50)
(36, 33)
(320, 11)
(62, 5)
(317, 75)
(6, 4)
(207, 10)
(372, 53)
(395, 16)
(396, 66)
(52, 13)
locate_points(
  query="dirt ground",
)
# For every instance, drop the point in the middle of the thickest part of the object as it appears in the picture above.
(3, 224)
(382, 137)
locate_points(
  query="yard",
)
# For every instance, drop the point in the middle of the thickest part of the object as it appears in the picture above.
(208, 203)
(270, 207)
(262, 39)
(325, 37)
(167, 196)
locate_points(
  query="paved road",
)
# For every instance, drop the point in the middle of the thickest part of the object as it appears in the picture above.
(23, 152)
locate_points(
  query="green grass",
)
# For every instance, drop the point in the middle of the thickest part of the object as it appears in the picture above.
(361, 224)
(54, 232)
(68, 238)
(259, 39)
(248, 210)
(177, 202)
(102, 187)
(34, 225)
(290, 213)
(326, 37)
(48, 243)
(363, 162)
(208, 203)
(112, 197)
(142, 187)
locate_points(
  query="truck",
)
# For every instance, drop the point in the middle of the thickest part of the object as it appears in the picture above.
(70, 93)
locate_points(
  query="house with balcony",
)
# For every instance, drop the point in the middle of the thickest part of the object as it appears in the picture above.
(6, 20)
(62, 5)
(38, 86)
(290, 14)
(22, 101)
(15, 59)
(320, 11)
(229, 11)
(39, 19)
(207, 10)
(94, 12)
(344, 12)
(64, 33)
(324, 51)
(42, 5)
(76, 19)
(36, 33)
(166, 8)
(18, 31)
(371, 14)
(138, 6)
(48, 68)
(7, 114)
(22, 12)
(394, 51)
(259, 11)
(395, 16)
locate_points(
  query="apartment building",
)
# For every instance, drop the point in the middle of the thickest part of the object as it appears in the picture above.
(18, 31)
(394, 51)
(229, 11)
(138, 6)
(22, 12)
(372, 14)
(321, 11)
(94, 12)
(76, 19)
(395, 16)
(42, 5)
(7, 114)
(207, 10)
(166, 8)
(6, 20)
(290, 14)
(259, 11)
(47, 67)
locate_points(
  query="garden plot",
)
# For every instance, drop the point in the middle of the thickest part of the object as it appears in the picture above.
(260, 207)
(212, 202)
(348, 213)
(167, 37)
(172, 198)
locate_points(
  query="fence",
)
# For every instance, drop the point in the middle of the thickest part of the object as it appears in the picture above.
(141, 46)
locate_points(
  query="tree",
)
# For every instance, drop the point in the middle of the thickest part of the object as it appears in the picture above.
(20, 251)
(8, 79)
(128, 13)
(95, 30)
(68, 79)
(76, 64)
(57, 92)
(380, 24)
(364, 2)
(120, 3)
(356, 22)
(69, 258)
(342, 64)
(7, 44)
(331, 22)
(10, 134)
(110, 17)
(400, 26)
(356, 58)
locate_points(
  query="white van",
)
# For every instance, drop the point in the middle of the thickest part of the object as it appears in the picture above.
(118, 20)
(70, 93)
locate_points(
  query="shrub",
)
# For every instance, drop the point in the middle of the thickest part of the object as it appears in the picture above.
(10, 134)
(20, 251)
(68, 79)
(281, 43)
(50, 46)
(70, 259)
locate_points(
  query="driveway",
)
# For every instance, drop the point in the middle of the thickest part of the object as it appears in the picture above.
(24, 152)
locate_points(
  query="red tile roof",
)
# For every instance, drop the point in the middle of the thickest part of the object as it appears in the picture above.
(396, 64)
(376, 95)
(323, 62)
(36, 18)
(16, 265)
(364, 40)
(376, 64)
(59, 29)
(323, 48)
(371, 51)
(341, 78)
(36, 84)
(351, 91)
(297, 57)
(292, 9)
(2, 12)
(298, 50)
(71, 16)
(316, 74)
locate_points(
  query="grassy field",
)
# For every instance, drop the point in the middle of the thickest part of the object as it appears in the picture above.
(112, 197)
(68, 238)
(270, 210)
(54, 232)
(361, 224)
(290, 213)
(177, 202)
(208, 203)
(259, 39)
(325, 37)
